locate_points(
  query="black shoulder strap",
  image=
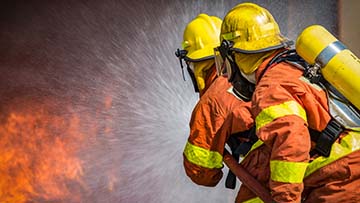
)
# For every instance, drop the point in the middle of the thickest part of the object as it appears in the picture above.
(239, 148)
(324, 139)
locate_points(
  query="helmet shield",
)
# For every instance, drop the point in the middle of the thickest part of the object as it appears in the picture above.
(220, 63)
(224, 59)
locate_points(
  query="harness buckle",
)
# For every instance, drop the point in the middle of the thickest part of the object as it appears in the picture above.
(327, 138)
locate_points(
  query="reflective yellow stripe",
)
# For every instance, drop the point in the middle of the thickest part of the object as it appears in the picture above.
(287, 172)
(231, 35)
(185, 44)
(203, 157)
(348, 144)
(254, 200)
(273, 112)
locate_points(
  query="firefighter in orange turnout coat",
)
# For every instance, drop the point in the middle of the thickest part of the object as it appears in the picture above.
(203, 152)
(288, 158)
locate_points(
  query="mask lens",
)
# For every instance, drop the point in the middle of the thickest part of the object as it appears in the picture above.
(219, 62)
(191, 66)
(228, 68)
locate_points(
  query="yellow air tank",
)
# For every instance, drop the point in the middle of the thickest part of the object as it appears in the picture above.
(339, 66)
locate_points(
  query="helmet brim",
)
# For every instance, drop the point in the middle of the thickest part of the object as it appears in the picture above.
(201, 54)
(252, 47)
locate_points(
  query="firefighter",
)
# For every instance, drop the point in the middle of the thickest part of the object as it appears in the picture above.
(303, 153)
(203, 152)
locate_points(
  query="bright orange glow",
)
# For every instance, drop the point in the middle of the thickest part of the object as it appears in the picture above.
(38, 159)
(108, 102)
(108, 118)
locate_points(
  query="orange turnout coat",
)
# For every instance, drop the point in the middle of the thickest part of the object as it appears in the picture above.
(203, 153)
(285, 105)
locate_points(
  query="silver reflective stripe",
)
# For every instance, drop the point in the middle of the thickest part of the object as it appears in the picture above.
(329, 52)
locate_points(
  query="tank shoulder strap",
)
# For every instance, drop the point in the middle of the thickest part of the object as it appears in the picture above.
(239, 149)
(326, 138)
(330, 134)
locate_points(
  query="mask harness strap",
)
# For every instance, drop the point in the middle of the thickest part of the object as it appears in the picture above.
(192, 76)
(181, 55)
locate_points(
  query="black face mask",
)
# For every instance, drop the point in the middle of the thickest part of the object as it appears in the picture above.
(242, 87)
(181, 54)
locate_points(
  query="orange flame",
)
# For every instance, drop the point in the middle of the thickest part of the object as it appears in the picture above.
(38, 158)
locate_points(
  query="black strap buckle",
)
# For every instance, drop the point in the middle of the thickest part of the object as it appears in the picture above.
(181, 55)
(327, 138)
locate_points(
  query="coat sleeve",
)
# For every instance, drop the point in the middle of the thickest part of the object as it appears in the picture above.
(281, 123)
(203, 164)
(210, 126)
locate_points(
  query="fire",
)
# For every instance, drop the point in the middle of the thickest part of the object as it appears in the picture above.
(38, 153)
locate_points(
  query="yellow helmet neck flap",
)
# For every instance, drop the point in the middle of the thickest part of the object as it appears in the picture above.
(200, 72)
(248, 63)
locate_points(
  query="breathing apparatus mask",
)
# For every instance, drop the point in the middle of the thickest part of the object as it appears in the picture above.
(226, 65)
(198, 69)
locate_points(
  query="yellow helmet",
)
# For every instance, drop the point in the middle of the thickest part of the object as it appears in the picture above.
(201, 36)
(252, 29)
